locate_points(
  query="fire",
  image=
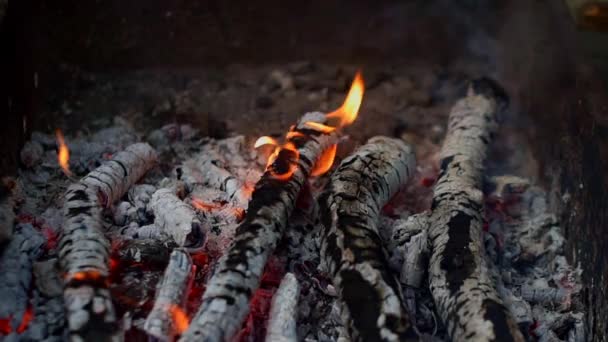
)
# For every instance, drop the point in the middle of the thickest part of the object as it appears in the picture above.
(180, 319)
(283, 168)
(204, 206)
(325, 161)
(347, 113)
(63, 155)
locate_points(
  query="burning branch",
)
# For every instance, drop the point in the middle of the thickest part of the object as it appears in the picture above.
(167, 318)
(351, 247)
(226, 301)
(466, 297)
(283, 312)
(83, 247)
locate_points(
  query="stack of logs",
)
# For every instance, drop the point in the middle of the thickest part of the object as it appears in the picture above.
(448, 240)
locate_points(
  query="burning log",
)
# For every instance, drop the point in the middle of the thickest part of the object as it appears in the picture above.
(83, 248)
(16, 264)
(177, 219)
(466, 298)
(167, 318)
(351, 247)
(283, 312)
(225, 302)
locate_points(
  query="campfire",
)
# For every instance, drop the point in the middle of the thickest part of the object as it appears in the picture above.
(311, 235)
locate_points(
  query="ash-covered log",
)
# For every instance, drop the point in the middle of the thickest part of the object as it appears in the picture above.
(352, 249)
(226, 300)
(177, 219)
(462, 288)
(283, 311)
(167, 318)
(83, 248)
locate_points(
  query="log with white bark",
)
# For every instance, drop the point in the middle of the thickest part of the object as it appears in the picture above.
(172, 293)
(225, 303)
(283, 311)
(462, 288)
(352, 249)
(83, 248)
(177, 218)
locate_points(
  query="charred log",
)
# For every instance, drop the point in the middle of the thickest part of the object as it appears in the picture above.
(163, 321)
(466, 298)
(283, 312)
(83, 247)
(226, 300)
(352, 249)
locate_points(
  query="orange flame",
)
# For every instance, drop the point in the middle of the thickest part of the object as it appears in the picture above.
(265, 140)
(325, 161)
(285, 171)
(347, 113)
(63, 155)
(180, 319)
(319, 127)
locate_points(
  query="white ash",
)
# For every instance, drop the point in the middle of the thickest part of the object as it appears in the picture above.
(16, 263)
(46, 275)
(177, 219)
(172, 292)
(283, 311)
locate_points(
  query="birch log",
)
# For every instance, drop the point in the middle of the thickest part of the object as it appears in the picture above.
(283, 311)
(225, 303)
(163, 320)
(466, 298)
(83, 247)
(352, 249)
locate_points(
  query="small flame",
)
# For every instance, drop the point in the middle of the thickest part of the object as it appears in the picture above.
(180, 319)
(284, 168)
(320, 127)
(347, 113)
(293, 134)
(325, 161)
(265, 140)
(63, 155)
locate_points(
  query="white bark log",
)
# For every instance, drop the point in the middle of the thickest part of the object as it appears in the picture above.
(83, 247)
(177, 219)
(462, 288)
(171, 296)
(226, 300)
(352, 248)
(283, 311)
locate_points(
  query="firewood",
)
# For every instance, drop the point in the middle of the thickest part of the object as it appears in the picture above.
(466, 298)
(83, 247)
(177, 218)
(283, 311)
(409, 245)
(165, 320)
(352, 248)
(225, 303)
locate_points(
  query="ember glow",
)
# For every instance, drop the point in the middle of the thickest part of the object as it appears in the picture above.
(180, 319)
(349, 110)
(204, 206)
(63, 155)
(325, 161)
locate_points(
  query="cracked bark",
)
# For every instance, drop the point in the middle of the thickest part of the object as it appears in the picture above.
(352, 249)
(84, 249)
(462, 288)
(225, 303)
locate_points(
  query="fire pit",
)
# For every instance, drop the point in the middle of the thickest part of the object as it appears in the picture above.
(433, 178)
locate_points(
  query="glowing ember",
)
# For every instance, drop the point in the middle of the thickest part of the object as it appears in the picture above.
(180, 319)
(63, 155)
(87, 276)
(347, 113)
(204, 206)
(325, 161)
(25, 320)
